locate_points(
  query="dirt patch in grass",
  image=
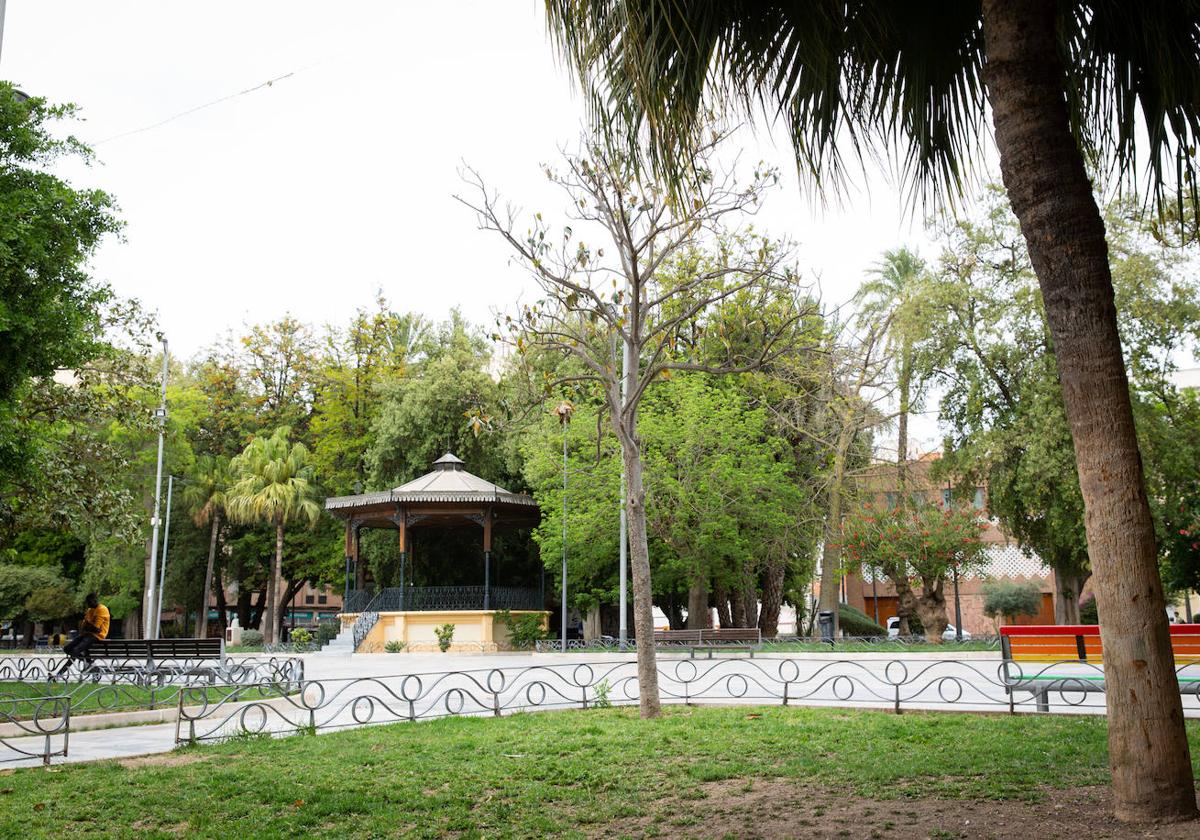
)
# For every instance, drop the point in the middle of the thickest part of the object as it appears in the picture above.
(169, 759)
(785, 808)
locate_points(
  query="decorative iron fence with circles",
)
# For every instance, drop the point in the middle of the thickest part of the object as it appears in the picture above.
(894, 684)
(44, 734)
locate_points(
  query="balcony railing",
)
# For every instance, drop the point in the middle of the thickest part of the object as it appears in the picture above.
(438, 598)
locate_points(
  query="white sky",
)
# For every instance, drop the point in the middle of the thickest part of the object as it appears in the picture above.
(308, 195)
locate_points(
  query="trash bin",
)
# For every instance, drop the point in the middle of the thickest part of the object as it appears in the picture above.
(825, 622)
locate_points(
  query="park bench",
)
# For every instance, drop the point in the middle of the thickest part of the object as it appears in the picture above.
(1050, 645)
(722, 638)
(146, 661)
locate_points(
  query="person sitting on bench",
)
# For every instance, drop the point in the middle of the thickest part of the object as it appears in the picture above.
(92, 629)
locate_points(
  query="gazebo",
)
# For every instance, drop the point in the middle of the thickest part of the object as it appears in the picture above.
(449, 496)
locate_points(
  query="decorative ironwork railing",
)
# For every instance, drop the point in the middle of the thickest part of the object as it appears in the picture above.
(435, 598)
(894, 684)
(357, 600)
(34, 735)
(791, 644)
(162, 672)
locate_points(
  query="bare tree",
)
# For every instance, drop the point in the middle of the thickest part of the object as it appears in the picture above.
(655, 287)
(850, 385)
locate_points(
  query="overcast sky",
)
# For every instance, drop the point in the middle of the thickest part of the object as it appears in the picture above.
(308, 195)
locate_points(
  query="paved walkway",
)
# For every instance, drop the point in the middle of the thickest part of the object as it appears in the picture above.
(368, 689)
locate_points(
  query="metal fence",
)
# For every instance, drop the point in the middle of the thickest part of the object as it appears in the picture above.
(43, 734)
(164, 672)
(786, 644)
(437, 598)
(895, 685)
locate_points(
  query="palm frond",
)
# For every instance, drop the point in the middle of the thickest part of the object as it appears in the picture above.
(901, 82)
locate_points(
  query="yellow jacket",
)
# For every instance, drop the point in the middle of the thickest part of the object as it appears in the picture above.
(98, 617)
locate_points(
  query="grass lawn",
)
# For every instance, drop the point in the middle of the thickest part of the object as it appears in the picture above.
(600, 772)
(92, 698)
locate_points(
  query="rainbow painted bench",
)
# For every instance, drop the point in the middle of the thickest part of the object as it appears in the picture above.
(1049, 646)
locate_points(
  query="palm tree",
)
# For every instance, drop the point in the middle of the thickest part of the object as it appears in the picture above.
(896, 298)
(205, 496)
(1067, 82)
(273, 484)
(897, 294)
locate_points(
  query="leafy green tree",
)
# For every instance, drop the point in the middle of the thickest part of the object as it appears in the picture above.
(1009, 599)
(50, 308)
(1003, 402)
(1067, 83)
(28, 593)
(915, 545)
(374, 350)
(273, 484)
(443, 404)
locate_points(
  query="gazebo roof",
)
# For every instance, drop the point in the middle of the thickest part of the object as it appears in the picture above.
(448, 482)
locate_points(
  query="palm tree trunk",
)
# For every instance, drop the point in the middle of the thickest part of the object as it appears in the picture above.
(271, 633)
(639, 563)
(904, 386)
(1048, 186)
(202, 627)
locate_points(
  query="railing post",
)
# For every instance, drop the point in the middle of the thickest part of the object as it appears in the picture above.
(66, 727)
(897, 707)
(785, 692)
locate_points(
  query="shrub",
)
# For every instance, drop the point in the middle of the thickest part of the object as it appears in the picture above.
(252, 638)
(445, 635)
(1009, 599)
(327, 631)
(394, 646)
(1088, 613)
(854, 622)
(301, 638)
(523, 630)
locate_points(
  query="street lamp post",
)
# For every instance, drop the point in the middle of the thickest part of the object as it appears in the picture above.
(564, 410)
(162, 565)
(160, 414)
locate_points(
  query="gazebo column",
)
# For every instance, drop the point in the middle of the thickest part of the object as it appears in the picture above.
(349, 564)
(360, 568)
(487, 559)
(402, 528)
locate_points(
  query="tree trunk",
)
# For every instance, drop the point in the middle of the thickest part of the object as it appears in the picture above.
(222, 607)
(831, 556)
(260, 609)
(245, 616)
(289, 592)
(750, 603)
(772, 598)
(274, 584)
(931, 607)
(1067, 586)
(639, 563)
(737, 611)
(202, 627)
(724, 618)
(904, 386)
(1052, 197)
(699, 617)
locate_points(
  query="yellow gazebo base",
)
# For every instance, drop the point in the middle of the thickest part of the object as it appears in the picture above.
(474, 630)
